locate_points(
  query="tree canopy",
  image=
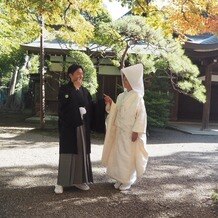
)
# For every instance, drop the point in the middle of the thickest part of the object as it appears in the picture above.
(66, 19)
(86, 21)
(183, 17)
(21, 19)
(133, 31)
(146, 38)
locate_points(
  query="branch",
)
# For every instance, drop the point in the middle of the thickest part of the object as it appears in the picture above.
(122, 65)
(59, 26)
(182, 9)
(144, 10)
(65, 11)
(137, 2)
(174, 84)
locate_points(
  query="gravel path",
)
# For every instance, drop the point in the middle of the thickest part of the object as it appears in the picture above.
(181, 176)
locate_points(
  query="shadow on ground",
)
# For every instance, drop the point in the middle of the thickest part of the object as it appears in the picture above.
(177, 183)
(169, 136)
(175, 186)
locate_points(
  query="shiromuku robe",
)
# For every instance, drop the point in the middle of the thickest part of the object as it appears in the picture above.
(126, 160)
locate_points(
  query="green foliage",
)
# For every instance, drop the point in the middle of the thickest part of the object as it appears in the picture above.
(102, 16)
(90, 79)
(64, 19)
(133, 30)
(149, 62)
(8, 63)
(14, 31)
(24, 72)
(158, 108)
(158, 100)
(187, 75)
(101, 22)
(106, 35)
(214, 196)
(183, 17)
(164, 63)
(23, 80)
(34, 64)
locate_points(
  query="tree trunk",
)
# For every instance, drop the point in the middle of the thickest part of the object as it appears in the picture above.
(42, 77)
(13, 81)
(9, 105)
(14, 100)
(122, 62)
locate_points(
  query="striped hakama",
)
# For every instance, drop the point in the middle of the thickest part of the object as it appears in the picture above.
(75, 168)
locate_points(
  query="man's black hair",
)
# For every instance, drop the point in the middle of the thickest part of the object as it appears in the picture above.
(73, 68)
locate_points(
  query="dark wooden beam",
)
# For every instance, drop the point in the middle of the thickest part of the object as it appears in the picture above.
(196, 55)
(201, 47)
(206, 106)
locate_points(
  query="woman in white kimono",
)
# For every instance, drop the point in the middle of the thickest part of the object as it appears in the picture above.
(124, 154)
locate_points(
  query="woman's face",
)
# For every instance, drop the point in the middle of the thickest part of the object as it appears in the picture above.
(77, 75)
(126, 83)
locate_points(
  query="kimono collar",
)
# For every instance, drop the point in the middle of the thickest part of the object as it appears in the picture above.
(71, 85)
(134, 75)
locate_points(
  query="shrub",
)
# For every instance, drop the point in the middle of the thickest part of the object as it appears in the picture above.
(214, 196)
(158, 101)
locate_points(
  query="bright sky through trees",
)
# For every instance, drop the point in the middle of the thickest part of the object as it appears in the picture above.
(115, 9)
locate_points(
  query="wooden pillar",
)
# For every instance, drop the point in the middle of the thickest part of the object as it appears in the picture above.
(100, 88)
(206, 106)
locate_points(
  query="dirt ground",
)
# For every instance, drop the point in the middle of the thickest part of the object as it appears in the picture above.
(181, 176)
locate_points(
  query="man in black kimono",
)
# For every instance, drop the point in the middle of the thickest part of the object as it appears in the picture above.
(74, 111)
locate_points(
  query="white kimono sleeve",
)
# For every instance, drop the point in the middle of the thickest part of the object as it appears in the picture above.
(110, 134)
(140, 124)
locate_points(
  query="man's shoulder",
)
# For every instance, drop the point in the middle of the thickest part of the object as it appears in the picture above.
(84, 89)
(64, 86)
(63, 89)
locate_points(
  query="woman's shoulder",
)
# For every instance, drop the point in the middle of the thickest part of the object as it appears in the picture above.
(121, 95)
(135, 95)
(136, 98)
(131, 93)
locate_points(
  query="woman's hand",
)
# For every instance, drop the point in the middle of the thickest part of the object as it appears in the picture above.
(107, 99)
(134, 136)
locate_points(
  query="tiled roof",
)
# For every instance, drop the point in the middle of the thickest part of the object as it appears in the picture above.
(203, 39)
(55, 44)
(202, 43)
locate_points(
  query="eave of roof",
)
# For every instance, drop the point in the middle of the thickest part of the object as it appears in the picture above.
(59, 47)
(202, 43)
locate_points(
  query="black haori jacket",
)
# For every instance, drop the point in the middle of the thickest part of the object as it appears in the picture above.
(69, 101)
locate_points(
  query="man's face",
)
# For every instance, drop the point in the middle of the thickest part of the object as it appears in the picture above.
(77, 75)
